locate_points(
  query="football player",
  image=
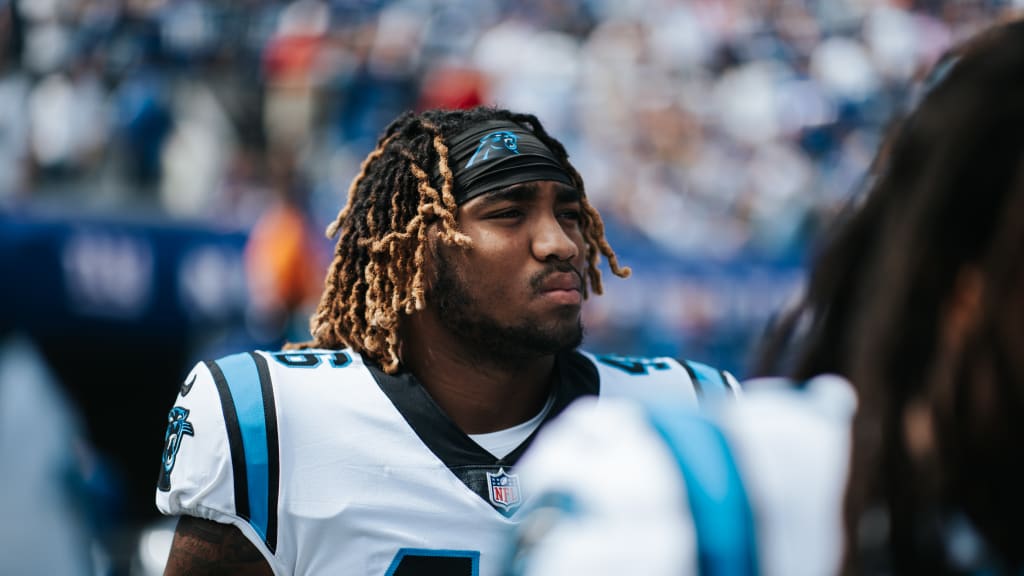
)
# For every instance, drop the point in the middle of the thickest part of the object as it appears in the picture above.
(446, 336)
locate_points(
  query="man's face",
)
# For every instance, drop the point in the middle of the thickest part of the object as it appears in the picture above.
(518, 290)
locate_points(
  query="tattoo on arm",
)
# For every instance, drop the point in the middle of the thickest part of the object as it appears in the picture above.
(203, 547)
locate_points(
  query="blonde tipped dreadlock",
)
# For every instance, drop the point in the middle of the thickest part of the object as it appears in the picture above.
(377, 272)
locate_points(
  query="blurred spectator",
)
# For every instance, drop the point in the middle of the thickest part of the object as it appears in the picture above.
(67, 123)
(14, 127)
(450, 85)
(143, 122)
(384, 80)
(284, 264)
(195, 157)
(290, 61)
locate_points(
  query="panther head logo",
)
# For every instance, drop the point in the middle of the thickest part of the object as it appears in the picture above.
(501, 140)
(178, 426)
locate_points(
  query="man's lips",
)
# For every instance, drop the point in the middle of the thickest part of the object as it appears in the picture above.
(561, 281)
(561, 288)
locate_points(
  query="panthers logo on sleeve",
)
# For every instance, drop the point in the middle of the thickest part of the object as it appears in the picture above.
(178, 427)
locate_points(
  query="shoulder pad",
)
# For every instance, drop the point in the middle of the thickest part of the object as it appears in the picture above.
(661, 378)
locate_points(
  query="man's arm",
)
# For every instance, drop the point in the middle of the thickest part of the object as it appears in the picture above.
(203, 547)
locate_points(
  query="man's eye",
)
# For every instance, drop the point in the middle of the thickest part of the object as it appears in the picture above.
(571, 215)
(506, 214)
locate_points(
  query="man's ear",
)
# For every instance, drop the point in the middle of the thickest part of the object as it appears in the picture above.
(432, 254)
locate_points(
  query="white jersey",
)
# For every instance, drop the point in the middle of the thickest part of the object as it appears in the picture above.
(752, 487)
(330, 466)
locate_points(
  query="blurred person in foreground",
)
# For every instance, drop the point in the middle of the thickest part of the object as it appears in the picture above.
(446, 336)
(918, 299)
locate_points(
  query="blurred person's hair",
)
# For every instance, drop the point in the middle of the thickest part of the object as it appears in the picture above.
(945, 198)
(952, 196)
(404, 187)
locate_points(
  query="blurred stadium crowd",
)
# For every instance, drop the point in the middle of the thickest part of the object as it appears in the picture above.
(709, 131)
(196, 109)
(176, 160)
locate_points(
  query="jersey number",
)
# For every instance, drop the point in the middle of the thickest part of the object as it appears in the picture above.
(632, 364)
(415, 561)
(312, 359)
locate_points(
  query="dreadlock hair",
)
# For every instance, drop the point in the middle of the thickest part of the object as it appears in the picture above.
(404, 187)
(950, 198)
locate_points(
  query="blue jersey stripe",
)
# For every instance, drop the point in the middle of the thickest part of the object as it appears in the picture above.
(721, 512)
(471, 556)
(273, 450)
(712, 381)
(241, 484)
(698, 388)
(243, 381)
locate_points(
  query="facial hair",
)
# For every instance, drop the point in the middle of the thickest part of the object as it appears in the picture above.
(466, 317)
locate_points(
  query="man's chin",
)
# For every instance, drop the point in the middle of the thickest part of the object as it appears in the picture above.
(526, 342)
(567, 339)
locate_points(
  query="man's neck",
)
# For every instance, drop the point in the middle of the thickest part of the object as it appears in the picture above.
(479, 392)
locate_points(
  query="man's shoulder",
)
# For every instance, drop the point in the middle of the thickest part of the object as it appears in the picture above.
(773, 402)
(628, 374)
(274, 369)
(304, 392)
(313, 358)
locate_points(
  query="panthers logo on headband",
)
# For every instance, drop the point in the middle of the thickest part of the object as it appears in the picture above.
(501, 140)
(178, 426)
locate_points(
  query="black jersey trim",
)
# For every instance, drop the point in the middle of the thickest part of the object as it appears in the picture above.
(466, 459)
(273, 449)
(247, 397)
(428, 421)
(712, 381)
(234, 440)
(698, 388)
(577, 377)
(725, 381)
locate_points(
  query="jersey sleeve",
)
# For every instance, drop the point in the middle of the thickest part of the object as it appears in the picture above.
(793, 445)
(604, 498)
(622, 487)
(709, 382)
(197, 477)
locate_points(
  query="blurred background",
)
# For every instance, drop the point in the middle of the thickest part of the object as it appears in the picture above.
(167, 169)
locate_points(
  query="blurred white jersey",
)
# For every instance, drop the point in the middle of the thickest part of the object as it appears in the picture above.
(330, 466)
(751, 487)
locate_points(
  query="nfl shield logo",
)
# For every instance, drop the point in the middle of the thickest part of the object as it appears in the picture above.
(504, 489)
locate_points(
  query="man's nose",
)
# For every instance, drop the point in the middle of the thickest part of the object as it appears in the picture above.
(552, 241)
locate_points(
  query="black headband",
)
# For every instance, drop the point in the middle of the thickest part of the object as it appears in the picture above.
(499, 153)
